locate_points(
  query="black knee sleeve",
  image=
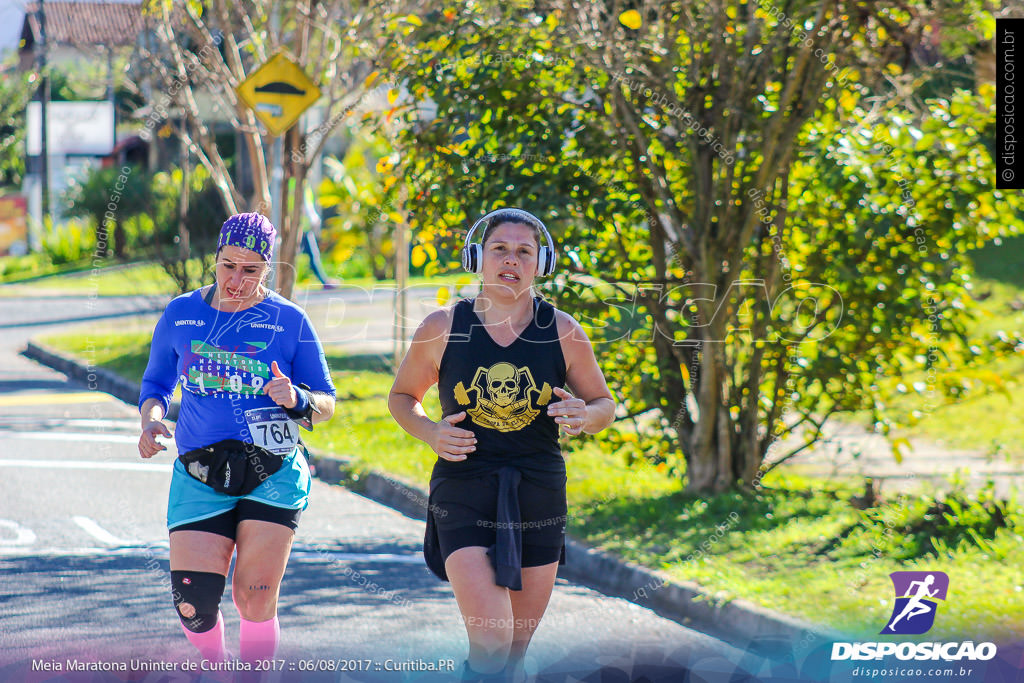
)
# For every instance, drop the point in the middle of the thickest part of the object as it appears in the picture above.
(197, 594)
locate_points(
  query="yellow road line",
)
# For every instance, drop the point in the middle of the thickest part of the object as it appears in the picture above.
(53, 399)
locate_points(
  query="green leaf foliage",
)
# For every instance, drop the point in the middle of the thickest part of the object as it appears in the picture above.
(740, 195)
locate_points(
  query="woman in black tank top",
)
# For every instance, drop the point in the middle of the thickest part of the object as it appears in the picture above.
(511, 370)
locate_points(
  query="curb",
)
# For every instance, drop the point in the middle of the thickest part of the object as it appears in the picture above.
(740, 622)
(96, 379)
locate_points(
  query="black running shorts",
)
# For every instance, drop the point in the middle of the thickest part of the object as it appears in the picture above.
(226, 523)
(465, 511)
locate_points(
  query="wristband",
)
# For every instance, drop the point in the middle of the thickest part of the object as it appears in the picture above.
(304, 408)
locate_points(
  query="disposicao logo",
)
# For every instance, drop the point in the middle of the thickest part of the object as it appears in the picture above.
(913, 613)
(917, 596)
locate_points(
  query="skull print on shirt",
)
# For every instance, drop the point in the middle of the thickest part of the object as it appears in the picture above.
(505, 397)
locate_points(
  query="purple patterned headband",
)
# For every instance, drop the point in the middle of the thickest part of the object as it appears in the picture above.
(252, 231)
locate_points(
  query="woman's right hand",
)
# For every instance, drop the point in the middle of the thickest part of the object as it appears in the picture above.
(450, 442)
(148, 445)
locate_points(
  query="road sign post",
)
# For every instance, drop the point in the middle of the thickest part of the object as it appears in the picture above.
(278, 92)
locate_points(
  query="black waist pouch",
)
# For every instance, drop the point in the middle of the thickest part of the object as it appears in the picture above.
(231, 466)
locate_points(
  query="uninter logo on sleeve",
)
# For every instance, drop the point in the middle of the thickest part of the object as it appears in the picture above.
(267, 326)
(915, 604)
(197, 323)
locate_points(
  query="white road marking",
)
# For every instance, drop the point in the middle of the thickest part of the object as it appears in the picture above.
(143, 552)
(70, 436)
(22, 536)
(123, 424)
(99, 533)
(86, 465)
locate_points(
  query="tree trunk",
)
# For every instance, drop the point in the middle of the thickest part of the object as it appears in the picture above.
(119, 240)
(103, 234)
(709, 461)
(184, 246)
(373, 250)
(290, 228)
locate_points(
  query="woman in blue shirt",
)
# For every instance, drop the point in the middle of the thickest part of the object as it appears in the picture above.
(251, 370)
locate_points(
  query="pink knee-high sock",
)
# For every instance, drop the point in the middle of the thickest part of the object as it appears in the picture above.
(209, 643)
(258, 639)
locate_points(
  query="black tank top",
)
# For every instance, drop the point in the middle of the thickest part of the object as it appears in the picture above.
(505, 392)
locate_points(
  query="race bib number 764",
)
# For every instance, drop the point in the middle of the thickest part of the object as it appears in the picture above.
(272, 429)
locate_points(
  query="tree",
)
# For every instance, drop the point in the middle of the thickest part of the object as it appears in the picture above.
(363, 194)
(687, 154)
(15, 91)
(183, 223)
(110, 197)
(200, 52)
(149, 217)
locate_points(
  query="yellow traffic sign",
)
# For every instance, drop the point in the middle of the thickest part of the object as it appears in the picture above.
(278, 92)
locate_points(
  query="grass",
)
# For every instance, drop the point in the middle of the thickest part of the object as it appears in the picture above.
(1001, 261)
(967, 423)
(124, 352)
(149, 278)
(797, 546)
(133, 278)
(800, 547)
(33, 266)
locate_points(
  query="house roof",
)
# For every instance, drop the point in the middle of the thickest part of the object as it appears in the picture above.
(84, 23)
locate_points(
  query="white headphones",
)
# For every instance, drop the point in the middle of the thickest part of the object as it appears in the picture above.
(473, 254)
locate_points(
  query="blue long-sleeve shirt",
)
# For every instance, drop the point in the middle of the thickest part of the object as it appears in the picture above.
(223, 362)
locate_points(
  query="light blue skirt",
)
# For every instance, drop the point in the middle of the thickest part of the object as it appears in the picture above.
(191, 500)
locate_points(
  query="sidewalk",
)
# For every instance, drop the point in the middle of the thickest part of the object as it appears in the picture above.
(850, 452)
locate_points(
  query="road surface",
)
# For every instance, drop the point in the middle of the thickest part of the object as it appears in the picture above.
(84, 575)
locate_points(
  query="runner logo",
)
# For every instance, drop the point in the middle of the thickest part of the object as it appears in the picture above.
(917, 596)
(913, 613)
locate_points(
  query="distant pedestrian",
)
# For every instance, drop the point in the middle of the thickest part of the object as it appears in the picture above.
(504, 363)
(310, 235)
(240, 481)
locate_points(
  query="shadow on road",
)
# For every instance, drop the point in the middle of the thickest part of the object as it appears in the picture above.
(118, 608)
(35, 384)
(80, 318)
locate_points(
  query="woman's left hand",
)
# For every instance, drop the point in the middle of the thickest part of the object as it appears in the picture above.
(280, 388)
(570, 412)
